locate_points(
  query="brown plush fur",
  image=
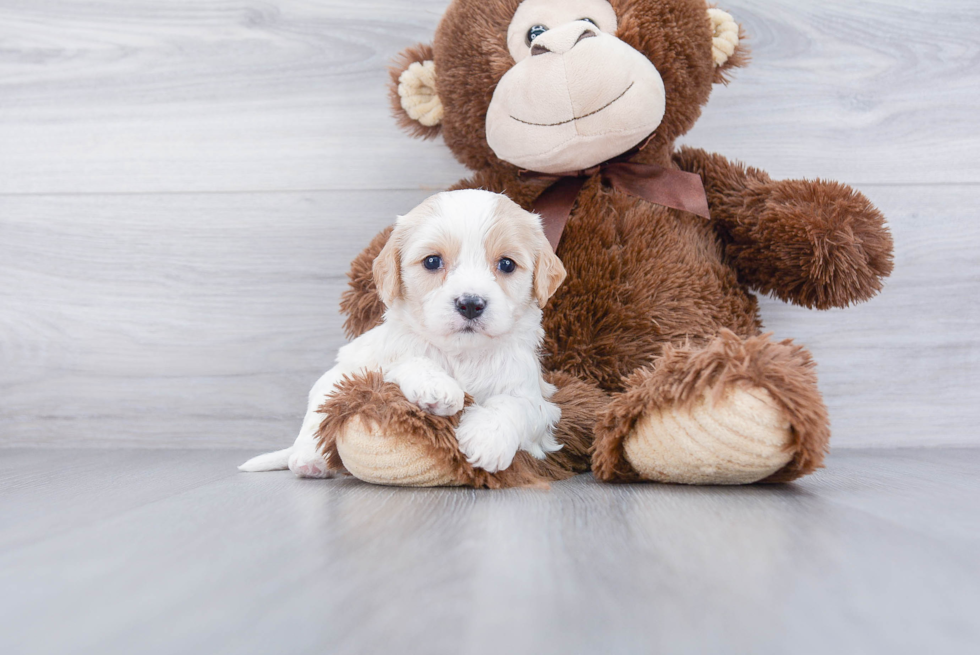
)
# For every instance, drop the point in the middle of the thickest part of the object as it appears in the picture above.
(657, 305)
(360, 301)
(816, 244)
(382, 405)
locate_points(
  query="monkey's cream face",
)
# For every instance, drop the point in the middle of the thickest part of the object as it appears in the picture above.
(577, 95)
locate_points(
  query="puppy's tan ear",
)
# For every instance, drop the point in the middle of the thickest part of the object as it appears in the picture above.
(412, 91)
(549, 273)
(387, 272)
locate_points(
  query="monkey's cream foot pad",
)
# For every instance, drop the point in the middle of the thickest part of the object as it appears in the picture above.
(739, 438)
(390, 459)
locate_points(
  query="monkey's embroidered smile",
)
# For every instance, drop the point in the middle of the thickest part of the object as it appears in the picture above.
(591, 113)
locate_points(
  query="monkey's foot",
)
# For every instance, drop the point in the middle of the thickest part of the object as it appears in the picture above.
(733, 412)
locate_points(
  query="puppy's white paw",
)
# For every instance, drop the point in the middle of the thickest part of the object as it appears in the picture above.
(540, 449)
(307, 463)
(439, 395)
(487, 441)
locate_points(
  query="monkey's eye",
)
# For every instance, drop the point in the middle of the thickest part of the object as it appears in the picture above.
(432, 263)
(506, 265)
(535, 32)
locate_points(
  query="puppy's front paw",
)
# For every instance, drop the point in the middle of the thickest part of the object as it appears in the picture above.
(439, 395)
(487, 442)
(308, 463)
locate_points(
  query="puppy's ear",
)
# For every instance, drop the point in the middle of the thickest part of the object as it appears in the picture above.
(549, 273)
(387, 271)
(412, 91)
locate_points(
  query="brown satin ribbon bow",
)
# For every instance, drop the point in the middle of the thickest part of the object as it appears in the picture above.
(653, 183)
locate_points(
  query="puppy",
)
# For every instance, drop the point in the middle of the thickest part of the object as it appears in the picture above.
(463, 277)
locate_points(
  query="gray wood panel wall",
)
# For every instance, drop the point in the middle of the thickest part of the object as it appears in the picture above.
(183, 184)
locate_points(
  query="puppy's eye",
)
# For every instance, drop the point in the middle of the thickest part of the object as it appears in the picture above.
(589, 20)
(432, 263)
(506, 265)
(535, 32)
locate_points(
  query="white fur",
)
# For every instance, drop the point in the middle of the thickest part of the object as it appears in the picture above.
(424, 348)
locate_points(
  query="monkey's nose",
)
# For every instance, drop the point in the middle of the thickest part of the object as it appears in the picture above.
(470, 306)
(560, 40)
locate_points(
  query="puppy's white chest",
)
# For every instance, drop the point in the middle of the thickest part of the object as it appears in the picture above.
(484, 374)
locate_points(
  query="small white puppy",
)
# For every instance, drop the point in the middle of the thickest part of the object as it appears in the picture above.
(463, 276)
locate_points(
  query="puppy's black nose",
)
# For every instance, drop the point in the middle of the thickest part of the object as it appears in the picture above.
(470, 306)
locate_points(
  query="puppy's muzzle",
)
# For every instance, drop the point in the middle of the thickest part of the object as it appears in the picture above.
(470, 306)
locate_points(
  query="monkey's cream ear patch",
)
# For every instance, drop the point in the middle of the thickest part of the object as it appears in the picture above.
(725, 38)
(417, 90)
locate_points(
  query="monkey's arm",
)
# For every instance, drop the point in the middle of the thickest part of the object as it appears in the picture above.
(813, 243)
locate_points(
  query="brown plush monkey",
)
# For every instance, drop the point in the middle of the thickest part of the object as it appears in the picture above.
(573, 107)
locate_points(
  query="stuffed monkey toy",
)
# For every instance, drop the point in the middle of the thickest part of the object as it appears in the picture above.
(572, 108)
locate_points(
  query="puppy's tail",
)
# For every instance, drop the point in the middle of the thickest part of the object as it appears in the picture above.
(277, 461)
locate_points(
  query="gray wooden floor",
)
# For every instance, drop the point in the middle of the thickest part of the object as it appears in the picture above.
(182, 186)
(173, 551)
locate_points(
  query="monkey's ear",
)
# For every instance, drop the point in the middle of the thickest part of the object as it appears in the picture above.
(727, 44)
(412, 91)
